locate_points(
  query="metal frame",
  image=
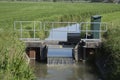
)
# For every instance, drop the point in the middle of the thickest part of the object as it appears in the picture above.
(42, 26)
(87, 30)
(25, 30)
(53, 26)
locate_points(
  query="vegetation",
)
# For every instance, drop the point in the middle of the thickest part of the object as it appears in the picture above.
(109, 54)
(13, 65)
(12, 62)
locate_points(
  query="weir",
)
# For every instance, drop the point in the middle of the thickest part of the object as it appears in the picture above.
(59, 60)
(82, 38)
(59, 56)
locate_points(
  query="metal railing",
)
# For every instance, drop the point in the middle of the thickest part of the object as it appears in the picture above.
(53, 25)
(36, 26)
(21, 26)
(85, 27)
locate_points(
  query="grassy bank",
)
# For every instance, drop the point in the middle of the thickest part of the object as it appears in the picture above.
(109, 54)
(12, 62)
(13, 65)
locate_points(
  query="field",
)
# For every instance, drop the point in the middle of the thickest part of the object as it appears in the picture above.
(14, 11)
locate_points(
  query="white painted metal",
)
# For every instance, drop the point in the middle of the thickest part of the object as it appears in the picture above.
(86, 30)
(34, 30)
(52, 26)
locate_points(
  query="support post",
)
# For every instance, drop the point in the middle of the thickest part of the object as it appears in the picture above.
(52, 30)
(68, 27)
(34, 29)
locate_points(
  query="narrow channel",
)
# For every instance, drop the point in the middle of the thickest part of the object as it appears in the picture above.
(60, 65)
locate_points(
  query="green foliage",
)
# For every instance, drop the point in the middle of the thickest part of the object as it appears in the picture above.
(110, 51)
(12, 64)
(10, 12)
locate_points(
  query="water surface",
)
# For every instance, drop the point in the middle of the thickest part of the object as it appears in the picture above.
(61, 33)
(64, 72)
(60, 64)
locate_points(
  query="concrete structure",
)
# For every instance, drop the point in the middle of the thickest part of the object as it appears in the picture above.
(36, 50)
(82, 45)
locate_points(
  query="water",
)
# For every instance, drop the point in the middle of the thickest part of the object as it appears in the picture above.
(60, 64)
(61, 33)
(75, 71)
(60, 52)
(59, 56)
(59, 61)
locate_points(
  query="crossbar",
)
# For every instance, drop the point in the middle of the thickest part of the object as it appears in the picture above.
(37, 26)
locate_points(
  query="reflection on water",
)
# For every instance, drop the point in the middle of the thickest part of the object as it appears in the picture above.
(58, 67)
(63, 72)
(61, 33)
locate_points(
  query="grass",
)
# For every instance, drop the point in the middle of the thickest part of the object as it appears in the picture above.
(10, 12)
(12, 62)
(14, 11)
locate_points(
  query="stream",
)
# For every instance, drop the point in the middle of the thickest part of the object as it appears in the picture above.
(60, 65)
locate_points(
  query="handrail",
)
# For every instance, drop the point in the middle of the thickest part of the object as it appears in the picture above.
(37, 26)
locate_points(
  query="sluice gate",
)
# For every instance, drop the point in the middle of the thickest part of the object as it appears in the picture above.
(83, 38)
(59, 55)
(59, 60)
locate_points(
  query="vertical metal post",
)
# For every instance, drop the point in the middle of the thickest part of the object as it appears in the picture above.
(76, 27)
(86, 31)
(80, 27)
(21, 30)
(52, 29)
(34, 29)
(68, 27)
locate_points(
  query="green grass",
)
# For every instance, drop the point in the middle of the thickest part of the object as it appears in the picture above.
(13, 11)
(13, 65)
(10, 12)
